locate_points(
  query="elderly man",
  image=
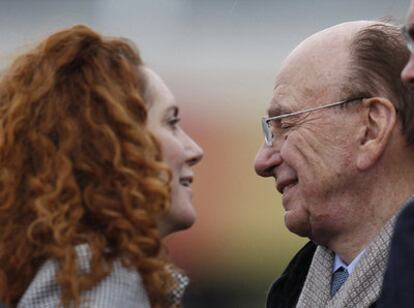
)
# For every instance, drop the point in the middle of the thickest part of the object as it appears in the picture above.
(399, 276)
(339, 147)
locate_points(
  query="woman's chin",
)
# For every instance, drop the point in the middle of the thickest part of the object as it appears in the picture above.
(177, 221)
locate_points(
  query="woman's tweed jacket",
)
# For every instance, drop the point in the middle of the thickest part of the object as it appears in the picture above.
(122, 288)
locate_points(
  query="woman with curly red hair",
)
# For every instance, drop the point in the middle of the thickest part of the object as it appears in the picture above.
(94, 171)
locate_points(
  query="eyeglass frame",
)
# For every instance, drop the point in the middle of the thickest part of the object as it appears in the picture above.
(268, 134)
(409, 41)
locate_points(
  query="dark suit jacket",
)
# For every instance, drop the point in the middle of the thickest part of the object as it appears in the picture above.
(285, 291)
(398, 287)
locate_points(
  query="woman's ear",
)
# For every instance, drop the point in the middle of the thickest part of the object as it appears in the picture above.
(379, 119)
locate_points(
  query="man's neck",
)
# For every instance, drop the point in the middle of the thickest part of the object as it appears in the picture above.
(350, 244)
(371, 200)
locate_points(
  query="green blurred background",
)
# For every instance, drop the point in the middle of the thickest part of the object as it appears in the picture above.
(220, 58)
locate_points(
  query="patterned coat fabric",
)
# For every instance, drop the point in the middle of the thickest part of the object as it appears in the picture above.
(363, 286)
(399, 277)
(121, 288)
(306, 282)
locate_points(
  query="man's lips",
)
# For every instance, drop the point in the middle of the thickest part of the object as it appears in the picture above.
(284, 184)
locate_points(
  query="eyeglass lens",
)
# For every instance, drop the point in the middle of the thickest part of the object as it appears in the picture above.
(267, 132)
(271, 128)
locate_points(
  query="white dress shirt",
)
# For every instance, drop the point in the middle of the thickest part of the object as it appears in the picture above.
(338, 262)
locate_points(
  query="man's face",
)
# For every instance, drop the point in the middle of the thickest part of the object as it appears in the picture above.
(312, 160)
(407, 75)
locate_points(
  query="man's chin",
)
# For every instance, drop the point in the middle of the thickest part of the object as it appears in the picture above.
(300, 228)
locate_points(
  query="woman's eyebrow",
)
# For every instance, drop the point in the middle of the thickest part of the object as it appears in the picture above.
(173, 108)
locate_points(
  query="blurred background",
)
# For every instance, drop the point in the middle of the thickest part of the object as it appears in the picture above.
(220, 59)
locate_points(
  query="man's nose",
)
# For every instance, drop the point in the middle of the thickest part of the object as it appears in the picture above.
(267, 158)
(407, 74)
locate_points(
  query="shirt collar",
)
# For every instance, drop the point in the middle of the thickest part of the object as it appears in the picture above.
(349, 267)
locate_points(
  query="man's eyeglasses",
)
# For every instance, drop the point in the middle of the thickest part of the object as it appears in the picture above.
(408, 34)
(267, 130)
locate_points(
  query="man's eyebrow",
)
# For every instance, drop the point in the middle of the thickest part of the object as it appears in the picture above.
(277, 110)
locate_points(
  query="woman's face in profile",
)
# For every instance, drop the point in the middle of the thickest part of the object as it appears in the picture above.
(180, 152)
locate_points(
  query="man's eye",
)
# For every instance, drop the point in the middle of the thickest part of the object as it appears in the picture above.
(286, 125)
(279, 127)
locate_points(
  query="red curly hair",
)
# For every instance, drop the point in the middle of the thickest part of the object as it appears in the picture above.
(79, 166)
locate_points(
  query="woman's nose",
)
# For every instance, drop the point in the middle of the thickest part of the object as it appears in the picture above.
(196, 153)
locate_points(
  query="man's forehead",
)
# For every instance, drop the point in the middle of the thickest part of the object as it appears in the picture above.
(283, 100)
(290, 97)
(315, 70)
(307, 76)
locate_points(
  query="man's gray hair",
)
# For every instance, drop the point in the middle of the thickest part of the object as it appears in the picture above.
(378, 55)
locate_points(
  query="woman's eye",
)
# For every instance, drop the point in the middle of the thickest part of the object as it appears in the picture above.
(173, 122)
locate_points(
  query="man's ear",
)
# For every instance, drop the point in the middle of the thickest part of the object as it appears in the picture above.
(379, 119)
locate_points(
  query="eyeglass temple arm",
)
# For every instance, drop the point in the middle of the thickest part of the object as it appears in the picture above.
(311, 109)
